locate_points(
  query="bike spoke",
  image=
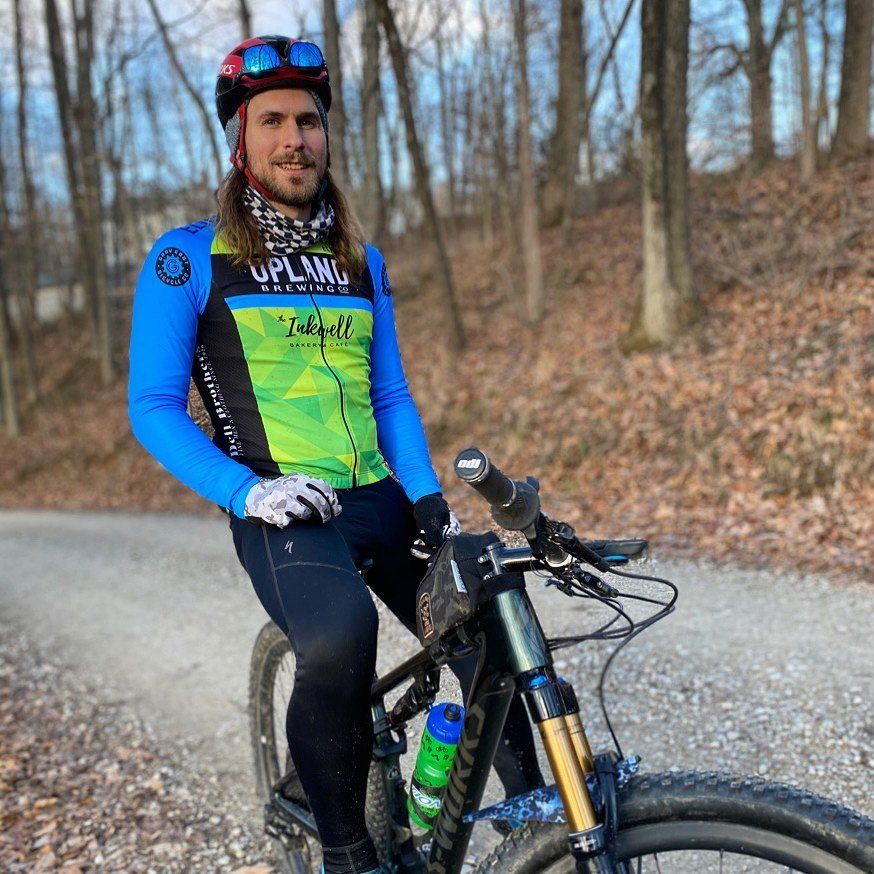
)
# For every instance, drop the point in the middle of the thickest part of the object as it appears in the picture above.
(656, 858)
(721, 857)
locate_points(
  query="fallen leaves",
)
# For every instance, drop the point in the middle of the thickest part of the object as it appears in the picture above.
(85, 788)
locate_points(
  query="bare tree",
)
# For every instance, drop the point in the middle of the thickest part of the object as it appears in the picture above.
(495, 121)
(808, 131)
(446, 117)
(190, 90)
(755, 61)
(28, 291)
(339, 166)
(374, 198)
(92, 198)
(757, 64)
(851, 135)
(822, 90)
(558, 198)
(531, 260)
(245, 18)
(666, 303)
(421, 173)
(85, 265)
(7, 373)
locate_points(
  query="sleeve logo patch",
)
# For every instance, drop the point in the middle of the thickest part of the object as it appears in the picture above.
(386, 285)
(173, 266)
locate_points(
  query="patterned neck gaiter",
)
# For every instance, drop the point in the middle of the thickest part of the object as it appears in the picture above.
(283, 235)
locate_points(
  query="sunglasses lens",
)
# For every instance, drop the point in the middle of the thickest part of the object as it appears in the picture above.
(258, 59)
(305, 54)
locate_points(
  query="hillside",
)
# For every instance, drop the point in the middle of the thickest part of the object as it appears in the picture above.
(750, 440)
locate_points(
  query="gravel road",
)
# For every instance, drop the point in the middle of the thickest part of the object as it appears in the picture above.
(756, 672)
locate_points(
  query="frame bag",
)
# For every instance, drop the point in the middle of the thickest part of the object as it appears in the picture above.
(455, 586)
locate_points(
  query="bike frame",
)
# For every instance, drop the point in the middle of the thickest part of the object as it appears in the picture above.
(513, 654)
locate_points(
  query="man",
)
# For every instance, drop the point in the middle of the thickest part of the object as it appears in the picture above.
(284, 318)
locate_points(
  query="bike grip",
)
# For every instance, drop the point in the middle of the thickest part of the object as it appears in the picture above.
(474, 467)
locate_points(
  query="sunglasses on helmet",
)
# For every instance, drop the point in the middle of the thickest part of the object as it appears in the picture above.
(265, 59)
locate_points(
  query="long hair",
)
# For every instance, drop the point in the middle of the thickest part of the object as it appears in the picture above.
(240, 231)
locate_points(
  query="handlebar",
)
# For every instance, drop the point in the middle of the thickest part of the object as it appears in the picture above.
(516, 507)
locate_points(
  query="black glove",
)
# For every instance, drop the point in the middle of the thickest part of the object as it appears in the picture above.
(435, 520)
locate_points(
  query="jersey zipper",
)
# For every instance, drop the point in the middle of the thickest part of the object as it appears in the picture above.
(340, 389)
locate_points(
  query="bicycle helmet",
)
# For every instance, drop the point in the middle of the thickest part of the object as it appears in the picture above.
(261, 63)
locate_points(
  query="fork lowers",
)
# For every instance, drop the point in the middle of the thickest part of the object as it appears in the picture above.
(553, 707)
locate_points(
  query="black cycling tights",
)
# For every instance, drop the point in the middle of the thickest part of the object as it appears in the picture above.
(306, 578)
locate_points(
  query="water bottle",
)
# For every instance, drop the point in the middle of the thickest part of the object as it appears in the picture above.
(439, 740)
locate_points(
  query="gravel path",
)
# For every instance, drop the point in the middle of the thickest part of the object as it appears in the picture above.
(755, 672)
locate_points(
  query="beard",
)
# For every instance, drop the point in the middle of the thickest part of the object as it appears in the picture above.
(289, 192)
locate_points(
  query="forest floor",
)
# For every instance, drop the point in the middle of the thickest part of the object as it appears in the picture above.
(750, 440)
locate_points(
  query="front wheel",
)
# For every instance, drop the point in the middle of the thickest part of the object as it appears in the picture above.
(699, 822)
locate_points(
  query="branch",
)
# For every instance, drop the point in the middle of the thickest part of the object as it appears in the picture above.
(186, 84)
(590, 102)
(780, 27)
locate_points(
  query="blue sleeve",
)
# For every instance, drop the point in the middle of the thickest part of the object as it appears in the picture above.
(171, 294)
(398, 426)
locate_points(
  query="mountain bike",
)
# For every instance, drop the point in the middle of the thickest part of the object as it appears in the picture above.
(601, 815)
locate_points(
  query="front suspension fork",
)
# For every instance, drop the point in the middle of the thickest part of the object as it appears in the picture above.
(556, 713)
(553, 706)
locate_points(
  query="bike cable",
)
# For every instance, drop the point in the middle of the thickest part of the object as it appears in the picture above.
(625, 633)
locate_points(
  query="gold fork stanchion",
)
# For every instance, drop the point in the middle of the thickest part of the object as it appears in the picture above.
(568, 769)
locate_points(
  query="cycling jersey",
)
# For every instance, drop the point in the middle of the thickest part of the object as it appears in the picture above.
(297, 364)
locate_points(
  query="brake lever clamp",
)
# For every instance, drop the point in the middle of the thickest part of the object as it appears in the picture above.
(590, 581)
(563, 536)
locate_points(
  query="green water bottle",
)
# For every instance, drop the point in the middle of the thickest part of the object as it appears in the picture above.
(439, 740)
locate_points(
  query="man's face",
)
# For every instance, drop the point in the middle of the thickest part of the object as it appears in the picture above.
(286, 146)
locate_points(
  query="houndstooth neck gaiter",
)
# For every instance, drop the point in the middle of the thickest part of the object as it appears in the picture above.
(283, 235)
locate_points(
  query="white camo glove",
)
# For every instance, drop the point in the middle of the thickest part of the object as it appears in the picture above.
(294, 496)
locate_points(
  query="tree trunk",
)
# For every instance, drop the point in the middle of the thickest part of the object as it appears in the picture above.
(821, 129)
(570, 197)
(531, 261)
(69, 137)
(374, 197)
(421, 173)
(446, 127)
(565, 146)
(339, 165)
(86, 121)
(851, 135)
(808, 131)
(7, 374)
(666, 303)
(182, 77)
(759, 73)
(28, 291)
(496, 126)
(245, 19)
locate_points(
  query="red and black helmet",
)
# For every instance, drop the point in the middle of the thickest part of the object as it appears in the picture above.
(264, 62)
